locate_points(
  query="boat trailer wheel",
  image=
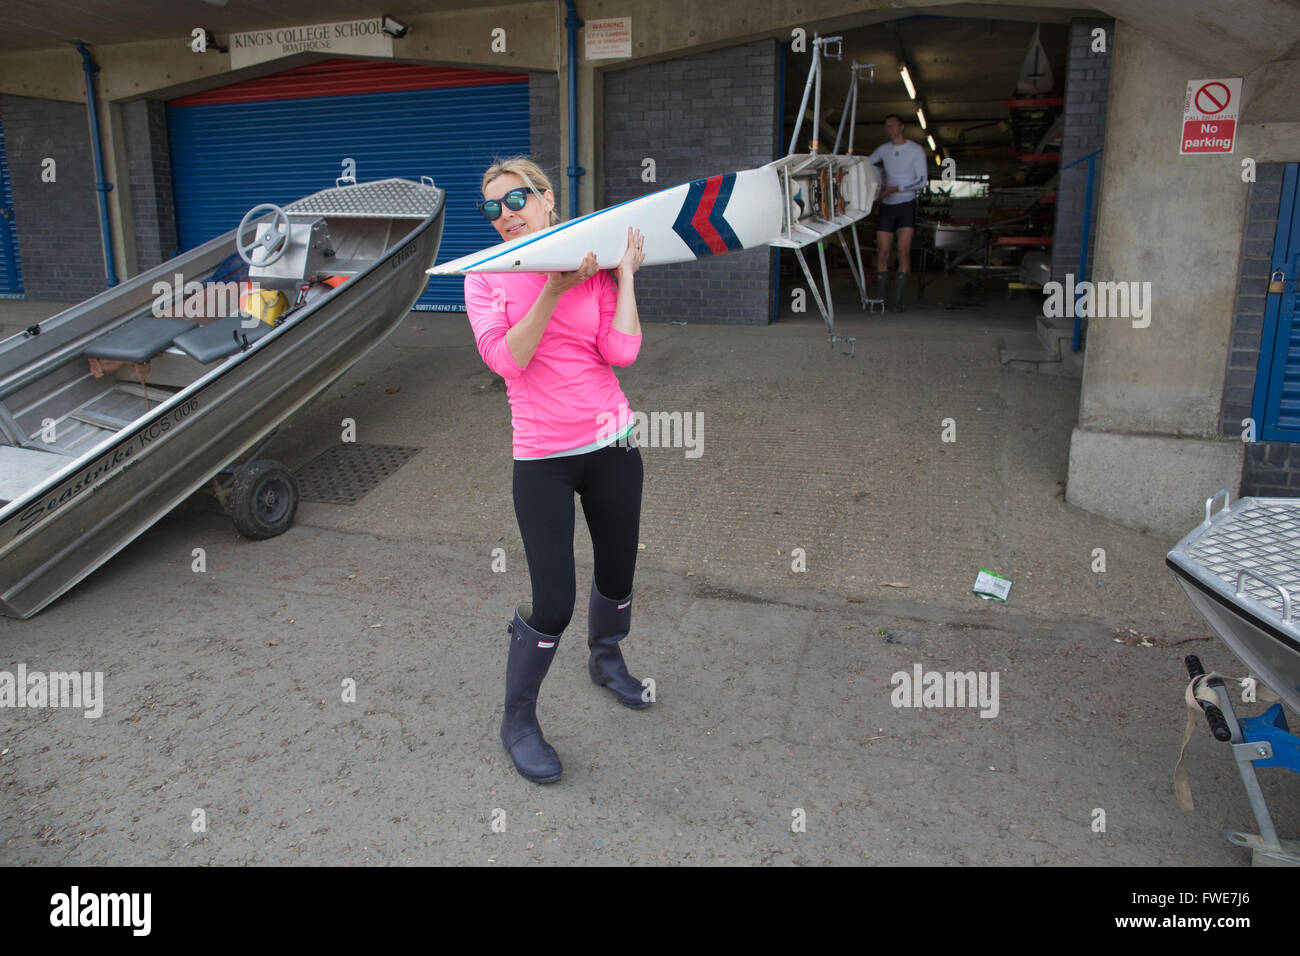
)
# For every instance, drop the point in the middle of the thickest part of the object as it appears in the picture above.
(273, 244)
(263, 499)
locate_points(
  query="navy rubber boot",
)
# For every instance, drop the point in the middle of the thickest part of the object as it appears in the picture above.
(608, 622)
(529, 660)
(900, 289)
(882, 289)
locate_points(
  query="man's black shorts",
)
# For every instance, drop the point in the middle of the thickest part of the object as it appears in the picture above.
(901, 215)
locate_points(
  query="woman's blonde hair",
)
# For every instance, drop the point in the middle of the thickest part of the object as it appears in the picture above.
(527, 170)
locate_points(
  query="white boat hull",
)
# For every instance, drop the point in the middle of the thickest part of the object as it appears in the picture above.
(702, 218)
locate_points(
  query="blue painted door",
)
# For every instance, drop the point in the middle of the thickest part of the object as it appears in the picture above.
(11, 269)
(1277, 383)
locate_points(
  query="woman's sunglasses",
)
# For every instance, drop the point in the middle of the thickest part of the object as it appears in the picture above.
(515, 199)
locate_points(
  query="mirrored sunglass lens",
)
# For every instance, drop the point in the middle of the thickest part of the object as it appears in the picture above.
(491, 210)
(516, 200)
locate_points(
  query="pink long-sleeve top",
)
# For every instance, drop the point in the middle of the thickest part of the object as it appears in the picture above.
(566, 400)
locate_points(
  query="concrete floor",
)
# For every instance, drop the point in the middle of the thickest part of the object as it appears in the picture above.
(774, 686)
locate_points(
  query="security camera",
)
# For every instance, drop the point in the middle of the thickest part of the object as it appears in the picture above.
(394, 27)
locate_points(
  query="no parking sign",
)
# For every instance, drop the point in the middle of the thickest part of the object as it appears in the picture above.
(1210, 116)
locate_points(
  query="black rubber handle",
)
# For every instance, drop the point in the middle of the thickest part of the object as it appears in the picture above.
(1218, 726)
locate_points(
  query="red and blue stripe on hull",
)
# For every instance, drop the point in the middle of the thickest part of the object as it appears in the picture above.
(700, 222)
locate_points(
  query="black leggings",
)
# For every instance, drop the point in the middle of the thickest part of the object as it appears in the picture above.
(609, 482)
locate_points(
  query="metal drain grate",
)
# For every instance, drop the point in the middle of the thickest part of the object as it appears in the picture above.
(346, 473)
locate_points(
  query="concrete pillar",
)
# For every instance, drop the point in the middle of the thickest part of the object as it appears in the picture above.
(149, 176)
(115, 148)
(1147, 450)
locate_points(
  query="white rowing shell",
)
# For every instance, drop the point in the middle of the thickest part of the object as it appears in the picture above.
(705, 217)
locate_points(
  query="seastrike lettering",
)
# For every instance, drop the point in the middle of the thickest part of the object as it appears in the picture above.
(118, 456)
(92, 474)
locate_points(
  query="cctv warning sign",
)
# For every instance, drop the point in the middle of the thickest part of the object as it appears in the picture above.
(1210, 116)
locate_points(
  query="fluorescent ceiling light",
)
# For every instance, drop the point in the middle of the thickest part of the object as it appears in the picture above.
(907, 81)
(930, 140)
(920, 117)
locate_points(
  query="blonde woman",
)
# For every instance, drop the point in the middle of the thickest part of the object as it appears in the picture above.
(553, 337)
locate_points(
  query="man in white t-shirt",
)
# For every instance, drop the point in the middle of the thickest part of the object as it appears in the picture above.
(904, 176)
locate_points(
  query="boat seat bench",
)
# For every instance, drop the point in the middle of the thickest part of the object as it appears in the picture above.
(134, 343)
(138, 340)
(218, 339)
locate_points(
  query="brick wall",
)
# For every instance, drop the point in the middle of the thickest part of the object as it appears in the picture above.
(1271, 468)
(1087, 90)
(544, 130)
(149, 173)
(57, 223)
(696, 116)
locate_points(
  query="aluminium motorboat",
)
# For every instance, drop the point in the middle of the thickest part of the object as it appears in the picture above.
(1240, 568)
(117, 409)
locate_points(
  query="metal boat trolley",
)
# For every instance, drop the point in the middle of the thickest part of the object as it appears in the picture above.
(1240, 568)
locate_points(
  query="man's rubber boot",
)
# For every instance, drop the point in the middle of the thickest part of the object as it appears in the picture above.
(529, 660)
(882, 288)
(900, 288)
(608, 622)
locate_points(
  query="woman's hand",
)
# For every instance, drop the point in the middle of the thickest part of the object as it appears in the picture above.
(561, 282)
(633, 257)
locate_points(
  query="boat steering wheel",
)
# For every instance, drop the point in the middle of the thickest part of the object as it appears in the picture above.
(273, 244)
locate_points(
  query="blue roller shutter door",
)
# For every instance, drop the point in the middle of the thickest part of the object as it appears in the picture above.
(229, 157)
(11, 269)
